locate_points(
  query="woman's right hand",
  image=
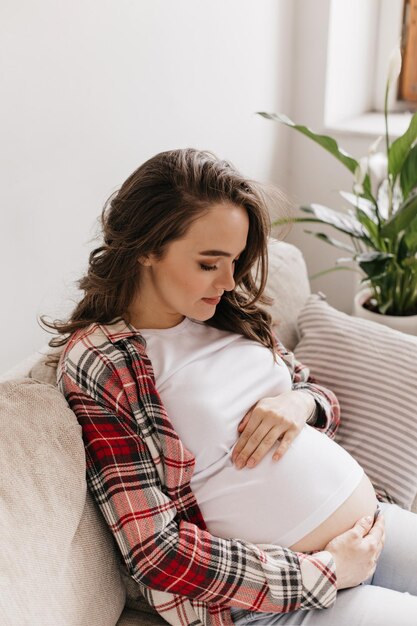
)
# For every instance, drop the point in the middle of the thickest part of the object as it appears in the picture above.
(357, 550)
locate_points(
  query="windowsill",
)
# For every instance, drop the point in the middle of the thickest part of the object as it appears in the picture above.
(372, 125)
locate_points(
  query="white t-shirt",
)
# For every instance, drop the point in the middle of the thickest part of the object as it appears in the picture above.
(208, 379)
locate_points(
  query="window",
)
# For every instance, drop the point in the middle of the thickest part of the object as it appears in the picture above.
(362, 36)
(389, 35)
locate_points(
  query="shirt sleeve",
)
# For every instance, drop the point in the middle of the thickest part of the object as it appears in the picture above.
(162, 549)
(326, 417)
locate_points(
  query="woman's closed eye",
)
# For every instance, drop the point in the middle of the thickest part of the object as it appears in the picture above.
(208, 268)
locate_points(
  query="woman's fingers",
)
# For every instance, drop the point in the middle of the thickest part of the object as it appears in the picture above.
(263, 447)
(356, 551)
(256, 446)
(377, 532)
(244, 422)
(250, 439)
(284, 444)
(272, 420)
(249, 425)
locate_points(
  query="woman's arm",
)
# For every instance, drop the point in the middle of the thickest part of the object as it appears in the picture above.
(327, 415)
(153, 520)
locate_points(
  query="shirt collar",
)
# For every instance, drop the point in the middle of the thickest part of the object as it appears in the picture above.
(119, 329)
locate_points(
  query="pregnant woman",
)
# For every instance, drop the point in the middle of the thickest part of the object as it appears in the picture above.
(209, 449)
(208, 379)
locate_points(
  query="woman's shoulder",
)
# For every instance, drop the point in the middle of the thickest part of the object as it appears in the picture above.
(101, 342)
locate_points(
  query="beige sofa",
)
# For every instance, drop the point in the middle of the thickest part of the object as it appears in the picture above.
(58, 562)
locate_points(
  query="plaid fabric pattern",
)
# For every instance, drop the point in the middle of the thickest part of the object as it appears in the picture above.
(139, 474)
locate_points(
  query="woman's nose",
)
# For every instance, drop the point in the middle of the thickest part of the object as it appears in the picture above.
(225, 280)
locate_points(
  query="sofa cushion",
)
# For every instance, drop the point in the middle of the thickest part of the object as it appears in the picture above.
(373, 371)
(288, 287)
(43, 371)
(57, 562)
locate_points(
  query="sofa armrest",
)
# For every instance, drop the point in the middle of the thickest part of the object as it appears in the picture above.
(58, 561)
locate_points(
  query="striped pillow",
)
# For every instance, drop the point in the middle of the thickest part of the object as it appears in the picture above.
(373, 371)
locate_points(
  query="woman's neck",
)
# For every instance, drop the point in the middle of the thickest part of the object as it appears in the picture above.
(145, 317)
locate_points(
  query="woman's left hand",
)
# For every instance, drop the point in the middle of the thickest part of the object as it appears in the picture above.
(271, 420)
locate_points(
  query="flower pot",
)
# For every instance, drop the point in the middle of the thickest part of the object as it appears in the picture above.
(404, 323)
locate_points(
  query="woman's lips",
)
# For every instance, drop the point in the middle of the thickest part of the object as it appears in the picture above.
(212, 301)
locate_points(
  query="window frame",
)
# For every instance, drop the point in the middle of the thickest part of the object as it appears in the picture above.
(390, 33)
(408, 78)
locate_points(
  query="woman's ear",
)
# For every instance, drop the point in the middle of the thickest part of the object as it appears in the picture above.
(144, 260)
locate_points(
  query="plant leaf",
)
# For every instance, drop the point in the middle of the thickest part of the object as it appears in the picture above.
(373, 263)
(333, 269)
(411, 237)
(328, 143)
(401, 219)
(345, 223)
(331, 241)
(410, 262)
(294, 220)
(408, 175)
(400, 148)
(360, 203)
(370, 226)
(402, 250)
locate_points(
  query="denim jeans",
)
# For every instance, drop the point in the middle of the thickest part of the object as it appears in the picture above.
(388, 598)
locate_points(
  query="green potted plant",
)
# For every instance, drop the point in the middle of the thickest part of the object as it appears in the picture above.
(382, 220)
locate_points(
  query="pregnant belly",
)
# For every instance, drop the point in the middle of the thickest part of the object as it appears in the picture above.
(315, 492)
(360, 503)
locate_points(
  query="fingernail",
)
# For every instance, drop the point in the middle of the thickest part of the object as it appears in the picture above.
(239, 463)
(251, 463)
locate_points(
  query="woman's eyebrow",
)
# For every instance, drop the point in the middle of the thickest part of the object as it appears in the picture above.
(217, 253)
(214, 253)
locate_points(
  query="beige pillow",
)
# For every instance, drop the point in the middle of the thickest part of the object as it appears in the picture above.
(57, 560)
(373, 371)
(288, 287)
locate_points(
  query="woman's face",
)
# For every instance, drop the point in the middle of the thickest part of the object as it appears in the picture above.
(194, 271)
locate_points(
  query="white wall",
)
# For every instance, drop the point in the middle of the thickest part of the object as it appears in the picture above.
(314, 175)
(92, 89)
(331, 80)
(351, 45)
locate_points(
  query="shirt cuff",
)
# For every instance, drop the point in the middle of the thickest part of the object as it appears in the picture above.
(317, 417)
(318, 573)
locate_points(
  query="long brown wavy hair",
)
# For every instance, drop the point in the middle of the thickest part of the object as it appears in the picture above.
(155, 206)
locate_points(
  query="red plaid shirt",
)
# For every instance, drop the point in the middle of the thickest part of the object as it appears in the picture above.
(139, 474)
